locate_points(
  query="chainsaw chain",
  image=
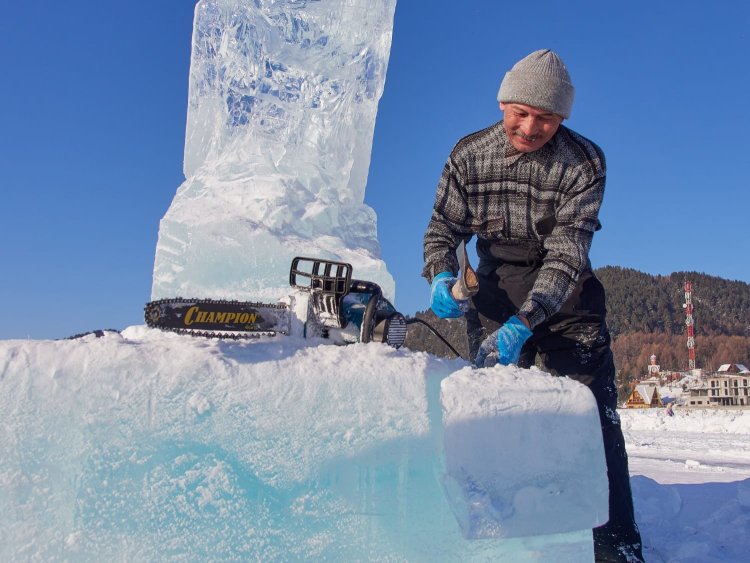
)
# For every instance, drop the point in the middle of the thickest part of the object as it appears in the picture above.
(219, 335)
(153, 314)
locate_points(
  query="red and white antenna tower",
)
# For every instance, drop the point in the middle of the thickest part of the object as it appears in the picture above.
(688, 305)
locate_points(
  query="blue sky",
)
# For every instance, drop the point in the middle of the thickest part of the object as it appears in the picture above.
(93, 106)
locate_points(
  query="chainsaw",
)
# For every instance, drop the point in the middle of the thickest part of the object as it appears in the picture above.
(338, 307)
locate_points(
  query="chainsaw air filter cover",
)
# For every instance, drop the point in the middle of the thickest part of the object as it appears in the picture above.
(390, 328)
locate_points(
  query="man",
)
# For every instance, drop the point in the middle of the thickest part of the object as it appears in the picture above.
(530, 189)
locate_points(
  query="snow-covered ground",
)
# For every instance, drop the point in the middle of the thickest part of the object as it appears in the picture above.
(690, 475)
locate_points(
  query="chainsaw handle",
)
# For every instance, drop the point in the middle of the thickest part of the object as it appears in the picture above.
(368, 319)
(359, 286)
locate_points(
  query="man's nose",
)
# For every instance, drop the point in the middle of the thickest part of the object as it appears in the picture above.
(528, 126)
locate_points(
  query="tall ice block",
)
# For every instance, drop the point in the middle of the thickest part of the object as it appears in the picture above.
(281, 113)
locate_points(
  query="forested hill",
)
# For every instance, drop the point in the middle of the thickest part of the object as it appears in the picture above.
(639, 302)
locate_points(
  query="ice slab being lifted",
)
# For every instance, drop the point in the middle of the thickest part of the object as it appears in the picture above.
(281, 112)
(524, 453)
(151, 446)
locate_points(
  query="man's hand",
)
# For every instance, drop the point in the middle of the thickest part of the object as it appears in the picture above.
(441, 300)
(504, 345)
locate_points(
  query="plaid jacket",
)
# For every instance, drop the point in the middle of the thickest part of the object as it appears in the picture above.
(550, 197)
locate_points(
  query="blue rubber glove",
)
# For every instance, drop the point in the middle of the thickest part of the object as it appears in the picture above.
(504, 345)
(441, 300)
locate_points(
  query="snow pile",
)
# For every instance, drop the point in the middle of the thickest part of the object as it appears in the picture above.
(148, 445)
(715, 420)
(282, 105)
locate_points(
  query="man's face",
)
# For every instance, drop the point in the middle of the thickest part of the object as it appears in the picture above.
(527, 127)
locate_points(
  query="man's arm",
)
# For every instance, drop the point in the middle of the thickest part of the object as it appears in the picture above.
(449, 224)
(567, 248)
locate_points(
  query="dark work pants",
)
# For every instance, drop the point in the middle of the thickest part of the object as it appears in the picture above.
(575, 343)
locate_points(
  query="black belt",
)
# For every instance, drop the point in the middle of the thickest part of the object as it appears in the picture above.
(522, 253)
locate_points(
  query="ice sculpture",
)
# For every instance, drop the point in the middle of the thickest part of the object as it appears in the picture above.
(281, 113)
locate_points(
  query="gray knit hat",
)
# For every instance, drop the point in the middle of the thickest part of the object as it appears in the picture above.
(540, 80)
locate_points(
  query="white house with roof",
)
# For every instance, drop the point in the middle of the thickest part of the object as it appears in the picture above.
(732, 369)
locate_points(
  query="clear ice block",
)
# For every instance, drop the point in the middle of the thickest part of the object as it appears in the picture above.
(281, 112)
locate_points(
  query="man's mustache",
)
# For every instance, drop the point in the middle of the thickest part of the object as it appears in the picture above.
(528, 138)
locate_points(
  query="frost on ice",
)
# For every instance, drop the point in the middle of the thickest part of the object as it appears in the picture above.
(281, 113)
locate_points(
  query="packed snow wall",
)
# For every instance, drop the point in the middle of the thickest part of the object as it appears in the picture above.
(281, 113)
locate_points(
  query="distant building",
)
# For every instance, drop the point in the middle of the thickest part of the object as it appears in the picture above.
(723, 389)
(653, 367)
(732, 369)
(658, 377)
(644, 397)
(670, 377)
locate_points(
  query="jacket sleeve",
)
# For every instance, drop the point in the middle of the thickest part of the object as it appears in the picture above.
(449, 224)
(567, 247)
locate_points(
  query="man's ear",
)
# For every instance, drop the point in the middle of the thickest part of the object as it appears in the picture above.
(502, 106)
